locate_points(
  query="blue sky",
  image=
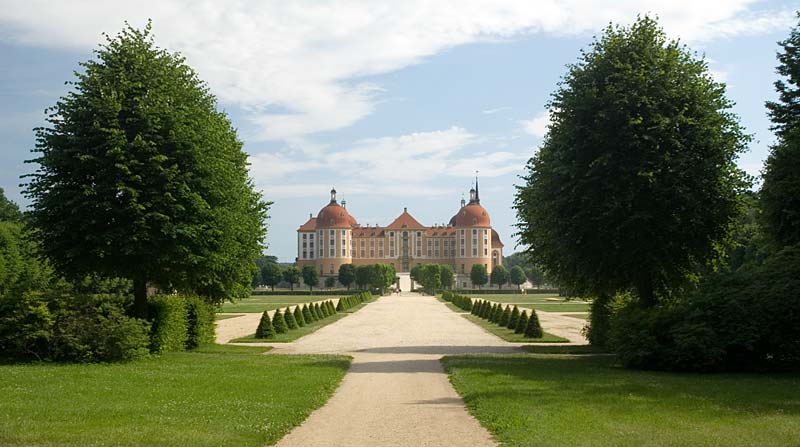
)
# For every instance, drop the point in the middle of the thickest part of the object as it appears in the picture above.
(396, 104)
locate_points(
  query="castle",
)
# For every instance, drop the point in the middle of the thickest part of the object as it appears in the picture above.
(334, 238)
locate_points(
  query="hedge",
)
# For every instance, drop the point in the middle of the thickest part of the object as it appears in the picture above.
(169, 323)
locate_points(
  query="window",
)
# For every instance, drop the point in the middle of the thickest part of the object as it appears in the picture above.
(321, 253)
(371, 243)
(312, 254)
(305, 255)
(485, 251)
(333, 233)
(331, 271)
(362, 243)
(304, 244)
(371, 253)
(380, 253)
(391, 233)
(474, 232)
(419, 252)
(462, 251)
(333, 242)
(344, 252)
(333, 253)
(419, 234)
(344, 232)
(363, 253)
(304, 235)
(485, 232)
(311, 236)
(474, 221)
(391, 253)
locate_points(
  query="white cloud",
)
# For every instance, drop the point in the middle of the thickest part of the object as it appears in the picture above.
(537, 126)
(298, 68)
(495, 110)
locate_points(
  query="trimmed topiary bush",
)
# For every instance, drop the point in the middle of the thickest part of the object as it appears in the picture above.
(279, 323)
(318, 312)
(340, 305)
(522, 323)
(533, 329)
(485, 309)
(265, 328)
(298, 316)
(505, 317)
(308, 315)
(168, 330)
(291, 323)
(514, 318)
(200, 322)
(331, 308)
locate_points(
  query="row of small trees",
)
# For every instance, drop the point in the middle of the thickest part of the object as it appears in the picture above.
(378, 276)
(461, 301)
(286, 320)
(509, 318)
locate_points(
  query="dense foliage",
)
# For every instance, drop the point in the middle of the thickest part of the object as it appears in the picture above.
(141, 177)
(478, 275)
(347, 275)
(499, 276)
(780, 192)
(310, 276)
(635, 186)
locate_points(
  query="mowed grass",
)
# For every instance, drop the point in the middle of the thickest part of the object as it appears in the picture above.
(540, 400)
(260, 303)
(509, 335)
(222, 395)
(545, 302)
(292, 334)
(219, 317)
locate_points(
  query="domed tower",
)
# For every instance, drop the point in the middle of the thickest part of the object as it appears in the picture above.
(473, 234)
(334, 226)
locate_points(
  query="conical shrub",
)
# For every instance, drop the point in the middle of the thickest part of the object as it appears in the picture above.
(307, 315)
(298, 316)
(505, 316)
(476, 309)
(485, 310)
(498, 312)
(291, 323)
(331, 308)
(324, 309)
(279, 323)
(533, 329)
(318, 312)
(523, 321)
(514, 319)
(340, 306)
(265, 329)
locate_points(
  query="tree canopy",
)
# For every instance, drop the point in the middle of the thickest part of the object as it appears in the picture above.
(271, 274)
(9, 211)
(347, 274)
(517, 275)
(310, 276)
(780, 192)
(478, 275)
(141, 177)
(635, 185)
(499, 276)
(292, 276)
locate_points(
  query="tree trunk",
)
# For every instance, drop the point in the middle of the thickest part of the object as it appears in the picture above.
(140, 298)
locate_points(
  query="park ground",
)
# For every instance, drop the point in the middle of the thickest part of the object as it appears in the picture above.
(420, 374)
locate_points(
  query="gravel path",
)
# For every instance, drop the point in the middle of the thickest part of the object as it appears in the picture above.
(395, 393)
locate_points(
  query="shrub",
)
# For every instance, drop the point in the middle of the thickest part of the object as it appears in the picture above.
(288, 317)
(200, 322)
(522, 323)
(485, 309)
(265, 328)
(514, 318)
(331, 308)
(169, 321)
(742, 320)
(298, 316)
(318, 312)
(497, 313)
(26, 326)
(533, 329)
(279, 322)
(307, 315)
(597, 331)
(505, 316)
(340, 305)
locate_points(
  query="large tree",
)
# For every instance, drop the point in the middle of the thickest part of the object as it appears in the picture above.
(271, 274)
(310, 276)
(292, 276)
(347, 274)
(517, 276)
(141, 177)
(9, 211)
(780, 192)
(635, 184)
(499, 276)
(478, 275)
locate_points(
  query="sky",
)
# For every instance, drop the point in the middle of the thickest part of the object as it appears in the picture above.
(395, 104)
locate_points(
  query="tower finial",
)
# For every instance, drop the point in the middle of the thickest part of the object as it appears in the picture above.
(477, 193)
(463, 202)
(333, 195)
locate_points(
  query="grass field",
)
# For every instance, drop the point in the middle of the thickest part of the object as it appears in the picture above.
(294, 334)
(545, 302)
(223, 395)
(260, 303)
(587, 401)
(509, 335)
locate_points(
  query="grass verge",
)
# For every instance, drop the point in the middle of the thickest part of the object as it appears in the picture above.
(219, 317)
(589, 401)
(509, 335)
(294, 334)
(260, 303)
(563, 349)
(176, 399)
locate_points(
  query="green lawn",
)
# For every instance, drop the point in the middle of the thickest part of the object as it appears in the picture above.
(509, 335)
(540, 400)
(223, 395)
(545, 302)
(584, 316)
(292, 334)
(260, 303)
(573, 306)
(519, 298)
(225, 317)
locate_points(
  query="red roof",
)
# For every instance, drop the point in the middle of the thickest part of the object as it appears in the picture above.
(310, 225)
(472, 215)
(496, 239)
(334, 216)
(405, 221)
